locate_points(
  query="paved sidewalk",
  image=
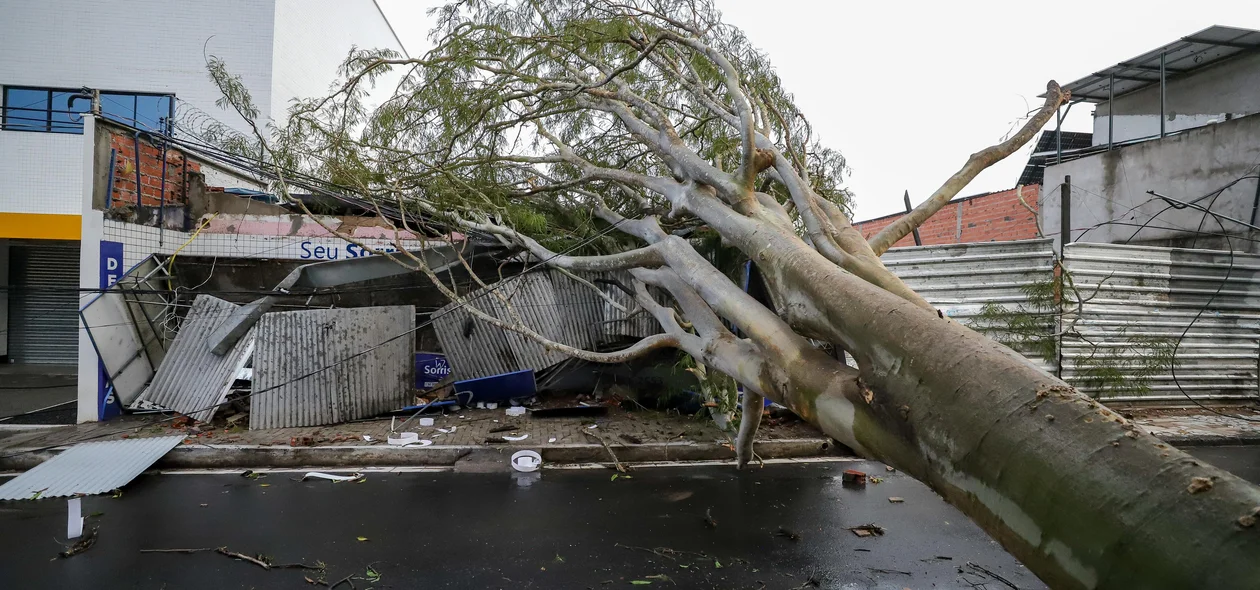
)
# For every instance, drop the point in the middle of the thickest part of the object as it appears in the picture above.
(633, 436)
(1198, 426)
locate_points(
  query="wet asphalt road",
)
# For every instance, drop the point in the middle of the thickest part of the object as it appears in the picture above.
(566, 529)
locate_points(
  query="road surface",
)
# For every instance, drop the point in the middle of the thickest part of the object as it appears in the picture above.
(564, 529)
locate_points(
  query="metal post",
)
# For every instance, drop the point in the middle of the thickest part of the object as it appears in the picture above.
(1065, 215)
(917, 240)
(1058, 136)
(1111, 110)
(1162, 90)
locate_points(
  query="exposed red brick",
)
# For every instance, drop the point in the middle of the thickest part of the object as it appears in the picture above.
(991, 217)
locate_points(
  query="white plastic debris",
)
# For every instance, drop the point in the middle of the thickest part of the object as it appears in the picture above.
(526, 461)
(516, 411)
(367, 438)
(74, 518)
(592, 427)
(551, 440)
(404, 438)
(426, 421)
(420, 443)
(517, 438)
(447, 430)
(492, 405)
(331, 477)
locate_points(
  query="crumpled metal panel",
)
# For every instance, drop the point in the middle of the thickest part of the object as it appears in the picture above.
(192, 380)
(327, 366)
(476, 348)
(1149, 296)
(89, 468)
(551, 303)
(961, 279)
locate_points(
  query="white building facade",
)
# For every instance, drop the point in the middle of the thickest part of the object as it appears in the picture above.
(147, 58)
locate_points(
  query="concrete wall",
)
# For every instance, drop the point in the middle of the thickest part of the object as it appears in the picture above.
(1111, 187)
(1191, 101)
(313, 37)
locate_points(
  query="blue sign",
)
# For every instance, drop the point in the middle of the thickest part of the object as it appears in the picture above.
(431, 368)
(111, 263)
(311, 251)
(107, 405)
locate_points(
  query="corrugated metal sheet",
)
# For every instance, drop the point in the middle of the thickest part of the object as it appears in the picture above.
(89, 468)
(124, 326)
(1149, 296)
(961, 279)
(551, 303)
(192, 380)
(311, 368)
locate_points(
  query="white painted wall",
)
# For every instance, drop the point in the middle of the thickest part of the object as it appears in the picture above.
(312, 38)
(40, 172)
(1189, 101)
(139, 46)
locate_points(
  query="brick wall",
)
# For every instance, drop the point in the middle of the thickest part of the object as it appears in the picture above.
(178, 169)
(990, 217)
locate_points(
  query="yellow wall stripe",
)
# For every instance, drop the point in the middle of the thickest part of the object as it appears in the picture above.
(40, 226)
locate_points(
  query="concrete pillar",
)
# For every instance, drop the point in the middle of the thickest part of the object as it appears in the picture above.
(91, 233)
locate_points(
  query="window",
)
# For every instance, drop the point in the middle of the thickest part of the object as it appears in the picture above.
(60, 111)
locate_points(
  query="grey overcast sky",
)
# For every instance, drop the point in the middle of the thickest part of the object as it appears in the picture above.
(907, 90)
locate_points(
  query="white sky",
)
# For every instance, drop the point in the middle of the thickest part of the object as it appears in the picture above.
(907, 90)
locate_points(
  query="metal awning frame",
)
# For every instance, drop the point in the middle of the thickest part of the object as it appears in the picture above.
(1189, 54)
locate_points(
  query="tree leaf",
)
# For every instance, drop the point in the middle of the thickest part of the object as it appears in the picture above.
(361, 539)
(640, 582)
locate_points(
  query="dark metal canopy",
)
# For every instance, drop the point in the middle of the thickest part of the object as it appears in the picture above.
(1189, 54)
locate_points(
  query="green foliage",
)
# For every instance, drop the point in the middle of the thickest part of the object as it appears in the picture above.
(1122, 366)
(463, 130)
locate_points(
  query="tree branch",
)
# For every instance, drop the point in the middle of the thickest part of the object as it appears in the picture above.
(882, 241)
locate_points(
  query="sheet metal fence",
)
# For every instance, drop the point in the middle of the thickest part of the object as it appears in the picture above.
(1138, 302)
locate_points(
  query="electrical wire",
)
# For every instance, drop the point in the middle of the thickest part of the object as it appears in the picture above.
(467, 301)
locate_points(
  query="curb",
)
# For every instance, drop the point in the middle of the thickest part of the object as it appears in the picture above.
(1195, 440)
(201, 456)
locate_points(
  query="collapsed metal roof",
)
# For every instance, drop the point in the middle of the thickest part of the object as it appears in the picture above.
(1187, 55)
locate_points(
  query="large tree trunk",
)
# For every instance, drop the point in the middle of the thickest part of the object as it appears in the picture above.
(1076, 492)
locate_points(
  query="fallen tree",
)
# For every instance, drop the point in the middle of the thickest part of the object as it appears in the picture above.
(634, 135)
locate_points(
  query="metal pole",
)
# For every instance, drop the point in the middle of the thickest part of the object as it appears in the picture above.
(1111, 110)
(1058, 136)
(1065, 215)
(1162, 91)
(917, 240)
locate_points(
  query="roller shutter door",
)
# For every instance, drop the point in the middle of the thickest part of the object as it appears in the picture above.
(44, 302)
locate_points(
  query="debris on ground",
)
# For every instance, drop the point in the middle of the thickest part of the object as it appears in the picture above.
(708, 518)
(516, 438)
(570, 412)
(787, 534)
(617, 464)
(896, 499)
(853, 477)
(526, 461)
(867, 530)
(259, 560)
(503, 428)
(632, 439)
(83, 544)
(333, 478)
(975, 569)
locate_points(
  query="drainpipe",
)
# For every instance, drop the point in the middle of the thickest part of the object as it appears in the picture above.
(162, 201)
(109, 184)
(138, 190)
(1163, 90)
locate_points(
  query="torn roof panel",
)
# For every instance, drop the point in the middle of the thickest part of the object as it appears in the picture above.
(89, 468)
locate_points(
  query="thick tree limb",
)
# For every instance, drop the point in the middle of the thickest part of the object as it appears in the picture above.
(882, 241)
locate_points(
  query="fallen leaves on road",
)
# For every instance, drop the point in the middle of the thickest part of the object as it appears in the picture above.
(83, 544)
(362, 539)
